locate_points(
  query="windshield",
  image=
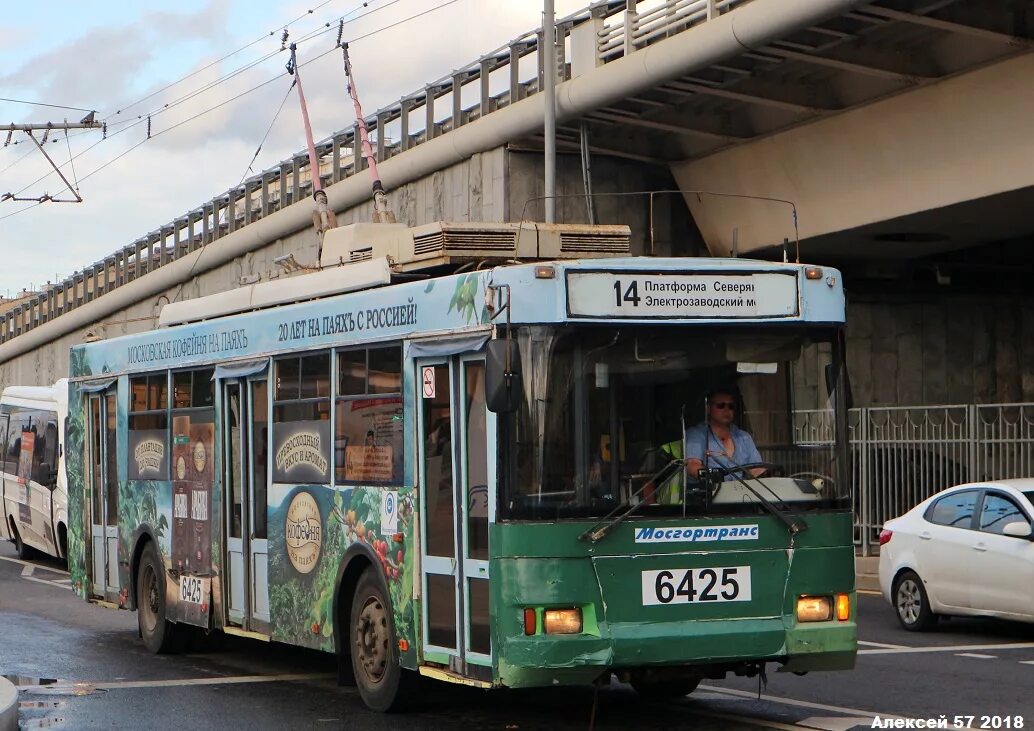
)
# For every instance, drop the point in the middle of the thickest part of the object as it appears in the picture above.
(610, 416)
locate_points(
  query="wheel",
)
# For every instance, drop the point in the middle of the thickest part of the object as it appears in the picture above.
(62, 542)
(665, 689)
(24, 552)
(383, 685)
(160, 636)
(912, 603)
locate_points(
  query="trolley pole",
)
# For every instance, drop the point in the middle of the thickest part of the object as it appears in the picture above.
(381, 211)
(322, 217)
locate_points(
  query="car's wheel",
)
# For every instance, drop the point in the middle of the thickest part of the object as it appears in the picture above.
(24, 552)
(383, 684)
(665, 689)
(912, 603)
(159, 635)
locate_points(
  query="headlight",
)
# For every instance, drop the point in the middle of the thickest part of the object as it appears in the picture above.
(814, 609)
(562, 621)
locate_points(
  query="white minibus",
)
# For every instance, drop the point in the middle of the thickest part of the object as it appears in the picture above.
(34, 504)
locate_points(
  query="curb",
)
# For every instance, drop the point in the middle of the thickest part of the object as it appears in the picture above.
(8, 705)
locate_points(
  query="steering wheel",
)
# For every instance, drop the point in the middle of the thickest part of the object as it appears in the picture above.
(770, 468)
(825, 481)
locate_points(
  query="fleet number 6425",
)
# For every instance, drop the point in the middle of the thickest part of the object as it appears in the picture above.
(696, 586)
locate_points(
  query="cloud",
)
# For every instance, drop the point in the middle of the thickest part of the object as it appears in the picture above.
(180, 169)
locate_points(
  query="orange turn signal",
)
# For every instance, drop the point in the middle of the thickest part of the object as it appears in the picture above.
(529, 621)
(843, 607)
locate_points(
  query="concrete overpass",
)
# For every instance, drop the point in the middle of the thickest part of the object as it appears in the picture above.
(896, 128)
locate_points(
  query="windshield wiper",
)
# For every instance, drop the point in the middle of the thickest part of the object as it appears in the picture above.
(616, 516)
(793, 521)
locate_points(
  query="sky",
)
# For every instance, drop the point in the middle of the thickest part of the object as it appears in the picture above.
(181, 64)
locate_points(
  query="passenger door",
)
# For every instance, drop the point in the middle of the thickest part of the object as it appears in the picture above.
(1001, 567)
(458, 505)
(245, 430)
(944, 548)
(5, 526)
(102, 482)
(39, 485)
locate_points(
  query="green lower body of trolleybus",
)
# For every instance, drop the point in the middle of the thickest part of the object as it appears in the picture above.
(659, 601)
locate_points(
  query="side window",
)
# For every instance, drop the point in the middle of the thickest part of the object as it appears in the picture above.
(148, 424)
(368, 434)
(955, 510)
(5, 418)
(20, 423)
(44, 455)
(301, 419)
(997, 512)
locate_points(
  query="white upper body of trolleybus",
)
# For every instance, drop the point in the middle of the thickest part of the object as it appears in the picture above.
(34, 508)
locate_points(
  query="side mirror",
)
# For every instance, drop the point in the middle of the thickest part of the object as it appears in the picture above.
(1017, 529)
(831, 384)
(502, 385)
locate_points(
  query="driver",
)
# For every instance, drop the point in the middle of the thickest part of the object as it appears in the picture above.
(718, 442)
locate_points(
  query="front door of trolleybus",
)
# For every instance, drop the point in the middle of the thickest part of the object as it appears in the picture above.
(102, 479)
(245, 430)
(455, 472)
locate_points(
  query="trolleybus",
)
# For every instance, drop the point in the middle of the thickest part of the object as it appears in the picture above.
(470, 476)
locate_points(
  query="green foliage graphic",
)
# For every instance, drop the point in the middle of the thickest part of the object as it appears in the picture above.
(75, 475)
(463, 299)
(302, 605)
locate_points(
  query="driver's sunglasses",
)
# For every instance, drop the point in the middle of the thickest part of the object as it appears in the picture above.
(723, 405)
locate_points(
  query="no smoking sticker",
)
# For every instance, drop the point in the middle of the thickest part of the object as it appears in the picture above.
(427, 381)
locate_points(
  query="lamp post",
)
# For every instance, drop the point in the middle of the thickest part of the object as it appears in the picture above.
(549, 89)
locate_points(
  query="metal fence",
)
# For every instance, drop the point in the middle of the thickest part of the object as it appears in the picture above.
(599, 34)
(901, 455)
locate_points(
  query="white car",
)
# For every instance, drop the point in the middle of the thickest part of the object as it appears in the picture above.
(968, 550)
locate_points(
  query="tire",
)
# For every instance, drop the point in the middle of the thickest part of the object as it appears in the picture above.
(383, 685)
(665, 689)
(24, 552)
(912, 604)
(160, 636)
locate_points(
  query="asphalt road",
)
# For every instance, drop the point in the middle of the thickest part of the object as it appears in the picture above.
(82, 666)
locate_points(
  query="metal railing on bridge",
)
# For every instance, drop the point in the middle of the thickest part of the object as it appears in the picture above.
(597, 35)
(901, 455)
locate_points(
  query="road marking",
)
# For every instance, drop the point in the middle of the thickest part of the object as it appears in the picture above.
(88, 686)
(1026, 662)
(56, 583)
(868, 592)
(835, 723)
(746, 719)
(976, 655)
(883, 644)
(950, 648)
(800, 704)
(28, 569)
(37, 566)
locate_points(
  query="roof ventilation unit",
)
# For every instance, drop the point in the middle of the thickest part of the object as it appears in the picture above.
(443, 243)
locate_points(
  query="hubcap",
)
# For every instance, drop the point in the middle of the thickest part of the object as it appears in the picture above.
(371, 639)
(149, 590)
(909, 601)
